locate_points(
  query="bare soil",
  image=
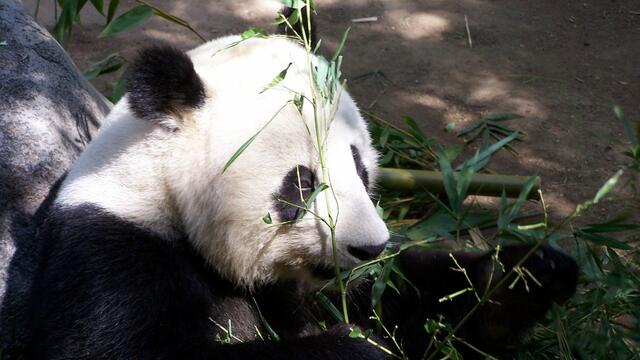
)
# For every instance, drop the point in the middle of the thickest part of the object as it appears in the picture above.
(562, 64)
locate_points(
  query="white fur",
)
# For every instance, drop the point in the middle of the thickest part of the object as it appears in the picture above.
(167, 181)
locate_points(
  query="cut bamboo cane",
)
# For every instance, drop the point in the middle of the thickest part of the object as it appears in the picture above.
(481, 184)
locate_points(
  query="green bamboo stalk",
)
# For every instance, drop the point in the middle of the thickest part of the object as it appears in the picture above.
(481, 184)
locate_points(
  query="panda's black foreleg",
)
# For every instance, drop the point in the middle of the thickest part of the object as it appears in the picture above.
(334, 344)
(503, 301)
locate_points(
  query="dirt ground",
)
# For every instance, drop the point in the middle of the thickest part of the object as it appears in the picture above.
(562, 64)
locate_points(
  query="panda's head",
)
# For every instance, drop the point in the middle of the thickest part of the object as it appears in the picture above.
(205, 105)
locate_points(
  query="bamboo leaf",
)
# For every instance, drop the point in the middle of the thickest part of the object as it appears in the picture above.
(341, 45)
(267, 219)
(295, 4)
(449, 181)
(524, 194)
(272, 333)
(99, 5)
(240, 150)
(246, 144)
(119, 88)
(253, 32)
(478, 161)
(110, 63)
(607, 187)
(323, 300)
(277, 80)
(111, 11)
(603, 240)
(502, 116)
(378, 287)
(613, 225)
(469, 128)
(320, 188)
(415, 130)
(128, 20)
(626, 125)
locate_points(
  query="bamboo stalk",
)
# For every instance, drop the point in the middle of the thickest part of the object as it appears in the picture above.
(481, 184)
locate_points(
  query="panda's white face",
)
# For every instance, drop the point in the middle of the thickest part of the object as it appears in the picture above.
(222, 211)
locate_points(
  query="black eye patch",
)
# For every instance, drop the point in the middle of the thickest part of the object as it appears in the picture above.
(299, 181)
(362, 171)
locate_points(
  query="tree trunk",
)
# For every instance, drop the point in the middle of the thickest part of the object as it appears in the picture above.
(48, 114)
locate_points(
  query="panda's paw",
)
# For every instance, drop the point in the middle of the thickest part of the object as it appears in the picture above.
(545, 274)
(523, 282)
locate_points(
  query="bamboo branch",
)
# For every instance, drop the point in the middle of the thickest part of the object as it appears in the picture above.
(481, 184)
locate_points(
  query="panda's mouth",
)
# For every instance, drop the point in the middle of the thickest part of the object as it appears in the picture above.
(325, 272)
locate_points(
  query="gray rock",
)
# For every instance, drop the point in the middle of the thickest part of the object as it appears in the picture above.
(48, 113)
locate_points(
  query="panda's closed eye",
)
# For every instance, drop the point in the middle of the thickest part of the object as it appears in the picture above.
(297, 185)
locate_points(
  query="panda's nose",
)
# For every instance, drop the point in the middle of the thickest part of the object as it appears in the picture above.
(366, 252)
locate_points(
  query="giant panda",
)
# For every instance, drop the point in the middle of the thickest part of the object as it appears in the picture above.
(156, 249)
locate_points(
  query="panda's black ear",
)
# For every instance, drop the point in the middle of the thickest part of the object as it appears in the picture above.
(162, 85)
(301, 25)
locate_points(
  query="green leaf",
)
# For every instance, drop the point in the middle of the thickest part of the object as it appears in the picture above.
(253, 32)
(502, 116)
(295, 4)
(603, 240)
(449, 182)
(356, 333)
(65, 21)
(99, 5)
(321, 72)
(442, 224)
(453, 151)
(111, 11)
(320, 188)
(481, 158)
(267, 219)
(278, 79)
(607, 187)
(626, 125)
(265, 323)
(462, 186)
(381, 284)
(613, 225)
(309, 201)
(522, 197)
(298, 101)
(323, 300)
(415, 130)
(401, 275)
(128, 20)
(240, 150)
(246, 144)
(341, 45)
(110, 63)
(119, 88)
(471, 127)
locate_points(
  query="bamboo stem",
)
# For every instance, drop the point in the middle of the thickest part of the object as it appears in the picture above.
(481, 184)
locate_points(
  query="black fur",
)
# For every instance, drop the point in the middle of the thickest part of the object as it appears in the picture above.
(112, 290)
(162, 82)
(360, 168)
(289, 193)
(302, 24)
